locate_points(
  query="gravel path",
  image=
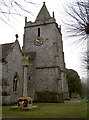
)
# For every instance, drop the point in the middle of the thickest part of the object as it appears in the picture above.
(71, 101)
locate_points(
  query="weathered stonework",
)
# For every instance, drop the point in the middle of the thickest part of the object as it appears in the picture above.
(47, 67)
(12, 63)
(45, 70)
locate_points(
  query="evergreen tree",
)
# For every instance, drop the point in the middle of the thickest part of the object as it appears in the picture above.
(74, 82)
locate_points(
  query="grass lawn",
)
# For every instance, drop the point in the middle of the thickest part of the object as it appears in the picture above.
(49, 110)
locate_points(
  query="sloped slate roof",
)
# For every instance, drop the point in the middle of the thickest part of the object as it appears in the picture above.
(6, 48)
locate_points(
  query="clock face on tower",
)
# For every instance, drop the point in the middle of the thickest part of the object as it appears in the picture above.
(38, 41)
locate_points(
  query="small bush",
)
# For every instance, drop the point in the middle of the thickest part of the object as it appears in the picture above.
(48, 96)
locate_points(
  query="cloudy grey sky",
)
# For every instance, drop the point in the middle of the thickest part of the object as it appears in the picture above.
(73, 52)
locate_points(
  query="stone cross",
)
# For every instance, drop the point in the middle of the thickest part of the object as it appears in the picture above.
(25, 65)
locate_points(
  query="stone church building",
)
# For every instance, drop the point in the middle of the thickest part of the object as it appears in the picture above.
(43, 46)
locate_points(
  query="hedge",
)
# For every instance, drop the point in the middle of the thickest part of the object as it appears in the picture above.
(48, 96)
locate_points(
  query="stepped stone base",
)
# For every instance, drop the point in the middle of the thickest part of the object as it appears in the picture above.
(22, 108)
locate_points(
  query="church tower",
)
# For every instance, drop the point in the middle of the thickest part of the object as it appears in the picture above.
(43, 43)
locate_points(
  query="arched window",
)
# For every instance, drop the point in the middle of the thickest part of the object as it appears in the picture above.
(15, 81)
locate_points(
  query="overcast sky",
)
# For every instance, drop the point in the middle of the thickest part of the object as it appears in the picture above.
(73, 52)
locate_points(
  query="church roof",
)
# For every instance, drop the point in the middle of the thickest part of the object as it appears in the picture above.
(43, 14)
(6, 48)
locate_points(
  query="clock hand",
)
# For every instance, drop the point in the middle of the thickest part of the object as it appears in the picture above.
(37, 40)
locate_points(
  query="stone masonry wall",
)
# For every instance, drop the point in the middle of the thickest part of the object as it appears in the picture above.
(48, 56)
(14, 65)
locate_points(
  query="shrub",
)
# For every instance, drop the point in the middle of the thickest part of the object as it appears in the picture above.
(48, 96)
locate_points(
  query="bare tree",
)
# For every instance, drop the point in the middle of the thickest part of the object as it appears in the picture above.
(13, 8)
(78, 18)
(78, 25)
(78, 22)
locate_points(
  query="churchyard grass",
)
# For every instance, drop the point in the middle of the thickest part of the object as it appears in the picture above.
(49, 110)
